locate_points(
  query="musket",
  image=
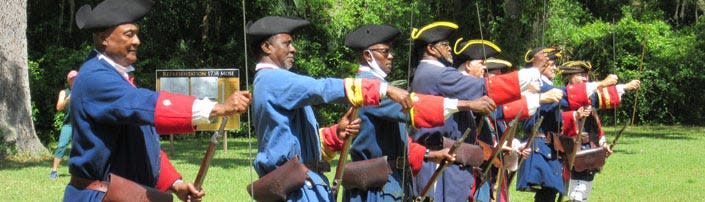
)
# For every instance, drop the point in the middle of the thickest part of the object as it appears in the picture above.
(501, 174)
(205, 163)
(636, 97)
(337, 180)
(496, 151)
(442, 166)
(498, 185)
(571, 158)
(529, 142)
(619, 134)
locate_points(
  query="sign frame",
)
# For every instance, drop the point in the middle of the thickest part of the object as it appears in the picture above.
(216, 84)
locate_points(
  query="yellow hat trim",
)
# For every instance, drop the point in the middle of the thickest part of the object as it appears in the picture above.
(416, 33)
(585, 64)
(498, 61)
(471, 42)
(526, 56)
(545, 50)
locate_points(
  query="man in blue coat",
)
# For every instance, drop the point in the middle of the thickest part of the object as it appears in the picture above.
(383, 130)
(116, 125)
(435, 76)
(284, 120)
(542, 171)
(474, 62)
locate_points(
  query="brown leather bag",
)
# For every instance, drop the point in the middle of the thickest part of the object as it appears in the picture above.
(468, 154)
(366, 174)
(121, 189)
(589, 159)
(276, 185)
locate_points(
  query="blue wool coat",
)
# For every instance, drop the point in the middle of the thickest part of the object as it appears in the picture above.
(435, 79)
(286, 126)
(114, 130)
(542, 166)
(382, 133)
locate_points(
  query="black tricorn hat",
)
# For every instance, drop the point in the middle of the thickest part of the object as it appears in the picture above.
(368, 35)
(110, 13)
(476, 49)
(572, 67)
(272, 25)
(493, 63)
(434, 32)
(553, 53)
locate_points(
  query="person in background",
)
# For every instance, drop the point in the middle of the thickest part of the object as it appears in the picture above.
(66, 129)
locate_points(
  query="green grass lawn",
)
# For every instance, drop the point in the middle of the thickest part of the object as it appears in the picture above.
(654, 163)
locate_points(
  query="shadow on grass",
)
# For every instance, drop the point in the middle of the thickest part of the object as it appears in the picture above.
(622, 152)
(665, 133)
(192, 150)
(6, 164)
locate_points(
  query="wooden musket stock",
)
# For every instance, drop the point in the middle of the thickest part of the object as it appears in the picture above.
(205, 163)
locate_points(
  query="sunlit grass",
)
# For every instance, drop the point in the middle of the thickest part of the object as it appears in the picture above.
(652, 163)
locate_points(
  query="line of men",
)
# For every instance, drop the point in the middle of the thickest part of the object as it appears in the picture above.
(116, 153)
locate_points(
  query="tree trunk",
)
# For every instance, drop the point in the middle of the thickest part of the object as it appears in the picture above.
(16, 127)
(204, 22)
(72, 10)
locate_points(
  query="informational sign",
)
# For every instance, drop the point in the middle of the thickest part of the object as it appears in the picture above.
(214, 84)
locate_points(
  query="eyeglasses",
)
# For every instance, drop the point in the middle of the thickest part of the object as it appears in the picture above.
(383, 51)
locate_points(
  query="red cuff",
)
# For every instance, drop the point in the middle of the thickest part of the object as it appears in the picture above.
(427, 111)
(416, 153)
(577, 96)
(503, 88)
(608, 97)
(173, 113)
(330, 138)
(370, 92)
(167, 173)
(512, 109)
(570, 128)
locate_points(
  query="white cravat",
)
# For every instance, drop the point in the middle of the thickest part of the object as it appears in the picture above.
(119, 68)
(265, 66)
(433, 62)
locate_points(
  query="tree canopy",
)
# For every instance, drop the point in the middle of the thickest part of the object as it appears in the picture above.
(209, 34)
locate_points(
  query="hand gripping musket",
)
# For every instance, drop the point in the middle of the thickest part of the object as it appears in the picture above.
(442, 166)
(497, 150)
(205, 163)
(337, 180)
(529, 141)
